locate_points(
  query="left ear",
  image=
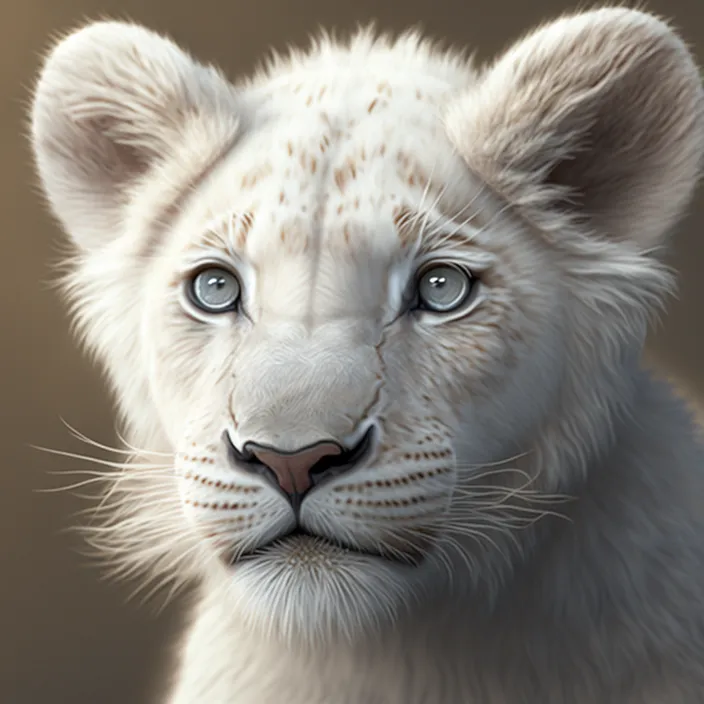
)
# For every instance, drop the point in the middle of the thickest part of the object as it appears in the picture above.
(113, 103)
(599, 115)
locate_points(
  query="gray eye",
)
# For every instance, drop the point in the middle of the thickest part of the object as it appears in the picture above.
(443, 288)
(215, 290)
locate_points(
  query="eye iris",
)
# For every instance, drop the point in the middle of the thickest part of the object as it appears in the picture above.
(443, 288)
(215, 290)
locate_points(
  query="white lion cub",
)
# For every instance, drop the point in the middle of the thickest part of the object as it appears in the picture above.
(380, 316)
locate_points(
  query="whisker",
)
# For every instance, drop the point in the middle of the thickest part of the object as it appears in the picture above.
(489, 496)
(72, 487)
(424, 195)
(96, 460)
(97, 478)
(165, 470)
(119, 451)
(496, 463)
(453, 218)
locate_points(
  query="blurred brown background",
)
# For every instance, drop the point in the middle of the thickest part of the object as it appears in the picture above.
(66, 635)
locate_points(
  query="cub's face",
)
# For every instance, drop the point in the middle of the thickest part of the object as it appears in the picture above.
(346, 304)
(340, 283)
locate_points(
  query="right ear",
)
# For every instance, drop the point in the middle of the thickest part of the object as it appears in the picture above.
(113, 102)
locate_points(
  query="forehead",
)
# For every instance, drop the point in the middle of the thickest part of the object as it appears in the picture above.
(327, 155)
(329, 175)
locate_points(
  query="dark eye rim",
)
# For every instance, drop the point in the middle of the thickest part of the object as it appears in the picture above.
(472, 279)
(190, 282)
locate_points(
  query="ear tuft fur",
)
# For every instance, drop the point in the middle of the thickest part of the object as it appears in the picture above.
(599, 116)
(113, 100)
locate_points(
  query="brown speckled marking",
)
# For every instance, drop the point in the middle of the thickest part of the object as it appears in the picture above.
(234, 230)
(410, 478)
(294, 238)
(243, 227)
(403, 159)
(251, 179)
(215, 506)
(247, 221)
(229, 487)
(340, 180)
(403, 217)
(411, 171)
(352, 168)
(384, 88)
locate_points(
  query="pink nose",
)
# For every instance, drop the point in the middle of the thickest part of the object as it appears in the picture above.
(293, 470)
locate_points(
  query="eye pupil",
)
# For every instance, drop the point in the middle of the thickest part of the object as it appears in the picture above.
(444, 288)
(214, 290)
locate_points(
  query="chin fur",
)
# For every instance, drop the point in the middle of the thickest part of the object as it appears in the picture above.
(306, 590)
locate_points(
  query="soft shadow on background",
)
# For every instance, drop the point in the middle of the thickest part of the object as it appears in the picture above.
(66, 635)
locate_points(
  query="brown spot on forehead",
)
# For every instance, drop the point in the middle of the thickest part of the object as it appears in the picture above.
(384, 88)
(315, 194)
(246, 221)
(347, 172)
(294, 236)
(231, 232)
(411, 171)
(403, 218)
(252, 177)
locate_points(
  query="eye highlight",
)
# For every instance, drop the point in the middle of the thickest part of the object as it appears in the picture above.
(443, 287)
(214, 290)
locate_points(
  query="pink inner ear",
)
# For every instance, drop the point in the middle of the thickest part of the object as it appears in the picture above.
(607, 105)
(113, 100)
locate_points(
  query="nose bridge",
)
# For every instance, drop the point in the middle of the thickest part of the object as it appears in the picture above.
(294, 388)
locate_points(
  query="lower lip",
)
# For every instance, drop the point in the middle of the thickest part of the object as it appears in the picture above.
(301, 535)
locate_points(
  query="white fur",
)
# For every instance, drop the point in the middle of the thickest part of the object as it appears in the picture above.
(325, 181)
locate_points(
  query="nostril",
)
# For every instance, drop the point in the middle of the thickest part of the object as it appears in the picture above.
(246, 460)
(332, 466)
(241, 456)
